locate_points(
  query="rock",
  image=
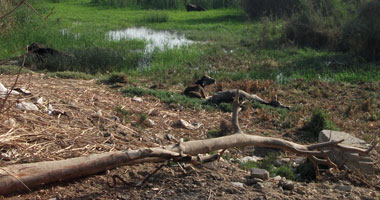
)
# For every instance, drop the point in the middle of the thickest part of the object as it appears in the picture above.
(343, 158)
(250, 158)
(260, 185)
(170, 137)
(277, 178)
(149, 123)
(259, 173)
(281, 161)
(184, 124)
(298, 161)
(252, 181)
(27, 106)
(40, 101)
(137, 99)
(286, 185)
(301, 191)
(345, 188)
(237, 184)
(10, 122)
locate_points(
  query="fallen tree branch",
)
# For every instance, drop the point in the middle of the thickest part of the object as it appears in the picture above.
(228, 96)
(23, 176)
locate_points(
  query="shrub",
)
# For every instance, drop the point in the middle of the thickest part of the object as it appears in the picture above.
(362, 34)
(319, 121)
(115, 77)
(277, 8)
(317, 24)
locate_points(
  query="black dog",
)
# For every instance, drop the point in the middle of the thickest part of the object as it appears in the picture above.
(42, 52)
(196, 90)
(192, 7)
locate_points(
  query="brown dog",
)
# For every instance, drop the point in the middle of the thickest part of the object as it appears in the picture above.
(196, 90)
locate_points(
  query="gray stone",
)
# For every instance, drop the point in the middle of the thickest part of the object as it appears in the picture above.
(345, 188)
(344, 158)
(250, 159)
(259, 173)
(237, 184)
(277, 178)
(252, 181)
(287, 185)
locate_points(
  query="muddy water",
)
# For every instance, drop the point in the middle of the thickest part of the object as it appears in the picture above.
(155, 39)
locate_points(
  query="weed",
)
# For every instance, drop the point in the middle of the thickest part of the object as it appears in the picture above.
(319, 121)
(142, 118)
(285, 171)
(115, 77)
(123, 114)
(248, 165)
(212, 133)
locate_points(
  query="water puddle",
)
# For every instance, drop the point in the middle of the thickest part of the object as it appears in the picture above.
(155, 39)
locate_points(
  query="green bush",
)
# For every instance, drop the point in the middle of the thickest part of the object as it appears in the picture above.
(318, 23)
(362, 34)
(319, 121)
(275, 8)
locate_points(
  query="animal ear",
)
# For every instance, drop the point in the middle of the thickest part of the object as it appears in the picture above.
(201, 82)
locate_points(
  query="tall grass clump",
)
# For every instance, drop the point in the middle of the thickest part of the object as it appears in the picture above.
(361, 35)
(318, 23)
(155, 17)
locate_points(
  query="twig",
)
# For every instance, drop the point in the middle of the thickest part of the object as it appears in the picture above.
(17, 179)
(149, 175)
(13, 86)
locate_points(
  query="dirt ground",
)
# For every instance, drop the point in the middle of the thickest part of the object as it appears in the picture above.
(93, 125)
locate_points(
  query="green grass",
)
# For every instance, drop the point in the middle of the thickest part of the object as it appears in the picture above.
(12, 70)
(230, 46)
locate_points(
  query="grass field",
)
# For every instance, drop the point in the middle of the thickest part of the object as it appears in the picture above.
(229, 46)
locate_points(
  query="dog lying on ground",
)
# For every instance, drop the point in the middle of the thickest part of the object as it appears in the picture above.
(196, 90)
(42, 52)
